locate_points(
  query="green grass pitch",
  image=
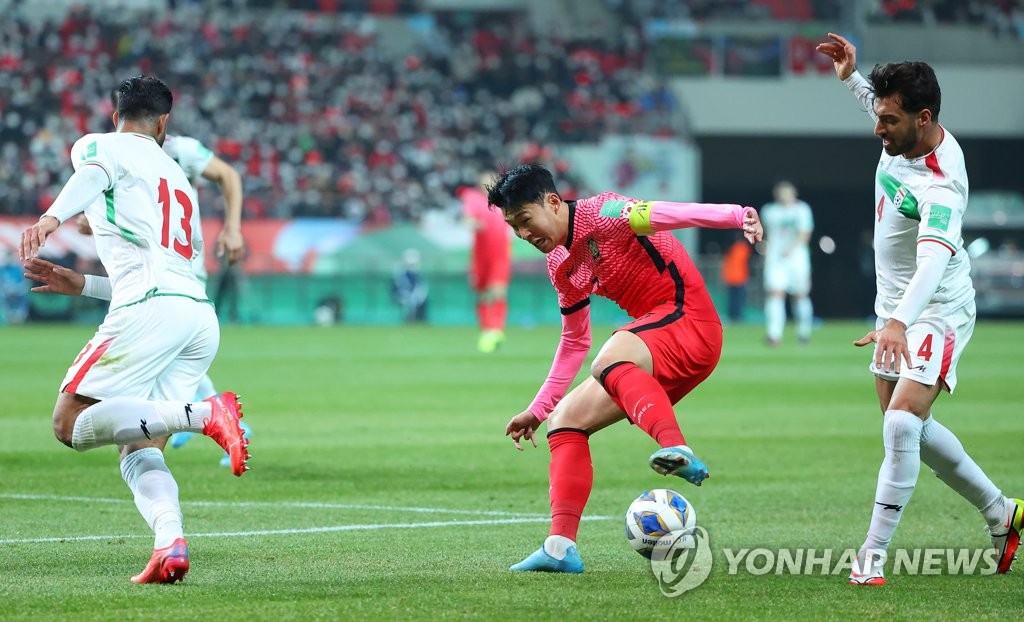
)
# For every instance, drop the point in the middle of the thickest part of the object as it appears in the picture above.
(383, 488)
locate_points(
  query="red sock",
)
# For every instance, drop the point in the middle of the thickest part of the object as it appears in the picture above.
(482, 313)
(500, 308)
(644, 400)
(572, 477)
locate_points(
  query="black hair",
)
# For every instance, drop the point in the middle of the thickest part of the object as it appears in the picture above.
(143, 98)
(526, 183)
(913, 82)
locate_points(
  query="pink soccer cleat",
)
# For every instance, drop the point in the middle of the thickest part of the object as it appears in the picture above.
(167, 565)
(224, 427)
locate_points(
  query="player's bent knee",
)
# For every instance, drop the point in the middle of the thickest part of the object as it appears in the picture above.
(65, 414)
(63, 431)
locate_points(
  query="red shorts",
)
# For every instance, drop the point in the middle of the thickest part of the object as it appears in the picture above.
(490, 267)
(685, 351)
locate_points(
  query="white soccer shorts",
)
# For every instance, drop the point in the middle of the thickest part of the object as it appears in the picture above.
(156, 349)
(792, 277)
(935, 343)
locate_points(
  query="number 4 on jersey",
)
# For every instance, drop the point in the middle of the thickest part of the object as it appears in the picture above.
(185, 250)
(925, 351)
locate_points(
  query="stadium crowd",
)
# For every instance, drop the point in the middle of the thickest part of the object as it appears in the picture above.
(318, 114)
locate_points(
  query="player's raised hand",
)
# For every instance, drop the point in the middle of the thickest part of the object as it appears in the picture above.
(55, 279)
(33, 238)
(843, 55)
(752, 229)
(230, 242)
(522, 426)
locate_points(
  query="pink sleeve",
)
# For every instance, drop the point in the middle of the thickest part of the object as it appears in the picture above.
(572, 350)
(667, 215)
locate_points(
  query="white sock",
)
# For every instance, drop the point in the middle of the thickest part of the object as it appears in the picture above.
(942, 451)
(897, 477)
(124, 420)
(156, 494)
(803, 311)
(775, 317)
(557, 546)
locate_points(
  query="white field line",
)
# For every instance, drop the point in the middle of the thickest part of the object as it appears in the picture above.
(286, 504)
(511, 518)
(278, 532)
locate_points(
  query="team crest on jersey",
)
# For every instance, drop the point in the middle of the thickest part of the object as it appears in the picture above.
(595, 252)
(897, 199)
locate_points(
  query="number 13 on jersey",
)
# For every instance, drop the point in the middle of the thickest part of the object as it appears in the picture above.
(182, 225)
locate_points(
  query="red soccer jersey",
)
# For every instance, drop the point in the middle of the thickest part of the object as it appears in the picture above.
(493, 234)
(604, 256)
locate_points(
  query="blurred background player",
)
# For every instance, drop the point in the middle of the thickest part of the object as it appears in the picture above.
(620, 248)
(409, 288)
(490, 263)
(160, 329)
(788, 224)
(921, 194)
(199, 161)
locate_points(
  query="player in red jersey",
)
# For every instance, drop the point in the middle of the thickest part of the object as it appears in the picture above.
(490, 264)
(619, 248)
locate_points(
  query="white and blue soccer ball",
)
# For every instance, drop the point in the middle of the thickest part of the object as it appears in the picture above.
(657, 519)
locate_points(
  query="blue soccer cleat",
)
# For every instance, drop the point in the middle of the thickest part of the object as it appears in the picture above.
(681, 462)
(541, 561)
(178, 439)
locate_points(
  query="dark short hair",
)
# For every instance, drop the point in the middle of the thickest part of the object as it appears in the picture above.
(143, 97)
(913, 82)
(526, 183)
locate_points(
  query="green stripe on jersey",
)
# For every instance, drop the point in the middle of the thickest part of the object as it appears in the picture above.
(904, 201)
(111, 212)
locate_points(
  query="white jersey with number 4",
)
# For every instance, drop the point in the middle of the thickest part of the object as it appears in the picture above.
(145, 226)
(918, 200)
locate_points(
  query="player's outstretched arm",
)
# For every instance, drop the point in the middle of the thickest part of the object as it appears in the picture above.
(843, 55)
(573, 346)
(85, 186)
(647, 217)
(844, 59)
(55, 279)
(230, 241)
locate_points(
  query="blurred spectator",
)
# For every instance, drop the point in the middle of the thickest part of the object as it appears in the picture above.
(322, 118)
(13, 290)
(736, 275)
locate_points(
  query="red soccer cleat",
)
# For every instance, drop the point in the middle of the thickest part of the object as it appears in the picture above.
(167, 565)
(1006, 543)
(223, 427)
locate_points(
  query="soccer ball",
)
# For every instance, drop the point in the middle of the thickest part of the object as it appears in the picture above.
(657, 518)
